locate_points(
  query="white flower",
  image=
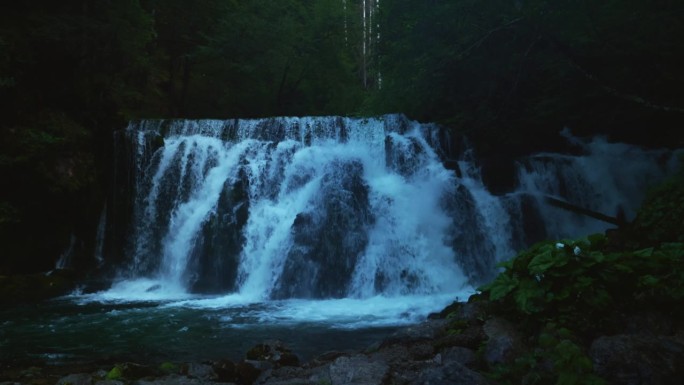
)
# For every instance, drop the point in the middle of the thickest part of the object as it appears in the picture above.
(577, 250)
(560, 245)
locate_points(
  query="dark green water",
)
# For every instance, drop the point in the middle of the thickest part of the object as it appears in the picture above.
(73, 330)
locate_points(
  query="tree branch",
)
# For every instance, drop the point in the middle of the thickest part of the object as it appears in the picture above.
(629, 97)
(486, 36)
(612, 91)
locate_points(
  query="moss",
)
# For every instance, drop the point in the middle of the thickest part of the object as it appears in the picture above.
(115, 374)
(168, 367)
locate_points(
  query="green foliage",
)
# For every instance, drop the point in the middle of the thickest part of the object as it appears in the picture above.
(496, 69)
(556, 359)
(274, 58)
(577, 285)
(115, 374)
(456, 326)
(8, 214)
(660, 217)
(563, 294)
(168, 367)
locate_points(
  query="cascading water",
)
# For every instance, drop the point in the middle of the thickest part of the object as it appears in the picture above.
(333, 207)
(293, 208)
(226, 233)
(608, 178)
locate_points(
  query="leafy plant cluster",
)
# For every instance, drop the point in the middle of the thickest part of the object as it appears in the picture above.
(660, 217)
(564, 294)
(556, 358)
(575, 284)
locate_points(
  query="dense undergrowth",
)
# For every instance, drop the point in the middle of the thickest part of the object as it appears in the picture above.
(561, 295)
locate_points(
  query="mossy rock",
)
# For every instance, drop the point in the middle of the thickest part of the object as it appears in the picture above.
(444, 313)
(274, 352)
(261, 352)
(168, 367)
(115, 374)
(130, 371)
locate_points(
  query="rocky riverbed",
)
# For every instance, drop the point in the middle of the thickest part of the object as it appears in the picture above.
(463, 344)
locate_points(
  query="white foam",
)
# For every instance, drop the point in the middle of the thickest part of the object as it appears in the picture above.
(137, 290)
(348, 313)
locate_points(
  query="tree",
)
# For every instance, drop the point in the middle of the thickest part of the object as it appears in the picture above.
(518, 72)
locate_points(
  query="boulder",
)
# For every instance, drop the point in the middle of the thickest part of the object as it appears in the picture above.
(246, 373)
(76, 379)
(225, 371)
(109, 382)
(460, 355)
(503, 342)
(172, 379)
(638, 359)
(424, 331)
(201, 371)
(357, 370)
(451, 373)
(273, 351)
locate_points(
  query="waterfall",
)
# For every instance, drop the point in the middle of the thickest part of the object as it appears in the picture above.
(608, 178)
(333, 207)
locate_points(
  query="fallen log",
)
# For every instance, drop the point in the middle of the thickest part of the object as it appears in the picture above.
(565, 205)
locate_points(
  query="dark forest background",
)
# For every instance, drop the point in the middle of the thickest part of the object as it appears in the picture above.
(508, 74)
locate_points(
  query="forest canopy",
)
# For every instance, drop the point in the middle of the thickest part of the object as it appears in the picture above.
(509, 74)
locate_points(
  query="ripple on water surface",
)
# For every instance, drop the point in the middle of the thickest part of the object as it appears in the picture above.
(109, 326)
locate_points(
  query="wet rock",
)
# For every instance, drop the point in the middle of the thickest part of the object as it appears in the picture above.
(424, 331)
(109, 382)
(503, 342)
(246, 373)
(328, 357)
(649, 323)
(638, 359)
(225, 371)
(470, 338)
(459, 355)
(153, 288)
(201, 371)
(393, 355)
(472, 312)
(288, 375)
(172, 379)
(357, 370)
(133, 371)
(453, 307)
(273, 351)
(451, 373)
(260, 365)
(76, 379)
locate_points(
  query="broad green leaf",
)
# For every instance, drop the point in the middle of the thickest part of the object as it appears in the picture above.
(503, 285)
(597, 256)
(597, 240)
(675, 247)
(542, 262)
(528, 295)
(649, 280)
(644, 252)
(584, 282)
